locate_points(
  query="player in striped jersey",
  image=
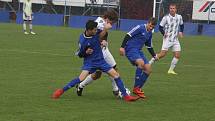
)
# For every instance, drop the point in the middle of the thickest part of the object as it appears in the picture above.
(27, 16)
(171, 27)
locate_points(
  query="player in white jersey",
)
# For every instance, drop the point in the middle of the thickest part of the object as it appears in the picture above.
(171, 27)
(27, 16)
(110, 16)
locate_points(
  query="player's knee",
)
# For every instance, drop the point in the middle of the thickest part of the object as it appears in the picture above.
(96, 75)
(177, 56)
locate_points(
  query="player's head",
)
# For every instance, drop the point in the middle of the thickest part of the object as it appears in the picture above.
(111, 16)
(152, 22)
(172, 9)
(91, 27)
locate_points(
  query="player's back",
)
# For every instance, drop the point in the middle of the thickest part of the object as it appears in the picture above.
(139, 36)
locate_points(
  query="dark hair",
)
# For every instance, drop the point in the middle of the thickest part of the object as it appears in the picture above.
(152, 20)
(91, 24)
(112, 15)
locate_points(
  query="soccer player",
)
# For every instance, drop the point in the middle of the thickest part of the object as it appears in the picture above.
(90, 49)
(132, 47)
(171, 27)
(27, 16)
(110, 16)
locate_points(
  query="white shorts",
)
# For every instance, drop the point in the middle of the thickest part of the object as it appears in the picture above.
(108, 57)
(175, 45)
(27, 18)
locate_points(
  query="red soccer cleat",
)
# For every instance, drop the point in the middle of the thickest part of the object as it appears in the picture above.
(129, 98)
(139, 92)
(57, 93)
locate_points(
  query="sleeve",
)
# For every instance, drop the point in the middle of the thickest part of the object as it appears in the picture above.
(24, 5)
(181, 20)
(126, 38)
(81, 52)
(163, 21)
(150, 46)
(134, 31)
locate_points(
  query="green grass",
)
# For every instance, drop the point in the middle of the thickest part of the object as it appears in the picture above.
(32, 67)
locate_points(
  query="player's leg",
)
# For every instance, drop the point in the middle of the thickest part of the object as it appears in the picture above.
(143, 71)
(24, 27)
(114, 74)
(71, 84)
(90, 78)
(176, 51)
(111, 61)
(165, 46)
(31, 26)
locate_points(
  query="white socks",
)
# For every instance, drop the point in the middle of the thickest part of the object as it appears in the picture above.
(114, 86)
(24, 26)
(87, 81)
(173, 63)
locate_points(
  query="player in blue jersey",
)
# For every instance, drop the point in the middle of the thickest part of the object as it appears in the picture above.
(132, 47)
(90, 49)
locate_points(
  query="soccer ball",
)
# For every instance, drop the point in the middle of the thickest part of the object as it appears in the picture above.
(127, 91)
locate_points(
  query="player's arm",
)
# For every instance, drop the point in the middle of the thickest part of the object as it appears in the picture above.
(150, 48)
(84, 50)
(181, 27)
(161, 26)
(128, 36)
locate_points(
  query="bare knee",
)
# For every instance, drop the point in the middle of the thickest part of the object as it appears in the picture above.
(148, 69)
(96, 75)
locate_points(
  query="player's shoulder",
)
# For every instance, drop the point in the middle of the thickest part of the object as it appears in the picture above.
(99, 20)
(179, 16)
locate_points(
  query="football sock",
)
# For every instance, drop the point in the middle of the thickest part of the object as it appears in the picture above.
(138, 77)
(114, 86)
(173, 63)
(87, 81)
(71, 84)
(24, 26)
(144, 77)
(121, 86)
(31, 27)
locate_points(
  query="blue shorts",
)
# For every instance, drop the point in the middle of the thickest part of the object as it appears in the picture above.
(97, 65)
(133, 55)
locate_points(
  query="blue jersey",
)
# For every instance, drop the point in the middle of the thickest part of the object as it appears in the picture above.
(92, 42)
(139, 37)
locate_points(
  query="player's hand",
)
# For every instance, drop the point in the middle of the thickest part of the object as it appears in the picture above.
(104, 43)
(107, 26)
(89, 51)
(181, 35)
(122, 51)
(156, 57)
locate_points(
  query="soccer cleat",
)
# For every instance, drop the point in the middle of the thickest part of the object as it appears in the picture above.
(129, 98)
(116, 93)
(171, 72)
(32, 32)
(57, 93)
(139, 92)
(26, 33)
(79, 90)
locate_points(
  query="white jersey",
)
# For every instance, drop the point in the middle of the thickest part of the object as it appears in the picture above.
(171, 26)
(27, 8)
(106, 53)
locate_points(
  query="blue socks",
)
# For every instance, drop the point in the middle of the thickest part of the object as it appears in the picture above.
(138, 77)
(121, 86)
(71, 84)
(144, 77)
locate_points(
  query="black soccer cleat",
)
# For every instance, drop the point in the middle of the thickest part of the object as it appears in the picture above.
(79, 90)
